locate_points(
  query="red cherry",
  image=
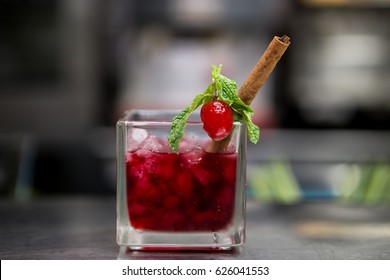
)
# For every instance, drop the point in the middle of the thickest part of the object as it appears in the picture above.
(217, 119)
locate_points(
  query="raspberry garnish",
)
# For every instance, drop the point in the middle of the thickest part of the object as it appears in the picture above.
(217, 119)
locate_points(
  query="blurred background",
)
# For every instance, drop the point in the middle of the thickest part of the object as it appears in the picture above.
(69, 68)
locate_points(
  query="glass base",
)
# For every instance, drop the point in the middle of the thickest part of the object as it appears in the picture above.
(141, 240)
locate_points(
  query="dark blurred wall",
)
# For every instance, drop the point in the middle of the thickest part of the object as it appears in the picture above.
(50, 70)
(53, 88)
(338, 69)
(69, 68)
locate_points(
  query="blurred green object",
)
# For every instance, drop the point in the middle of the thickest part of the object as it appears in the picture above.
(365, 183)
(274, 182)
(371, 187)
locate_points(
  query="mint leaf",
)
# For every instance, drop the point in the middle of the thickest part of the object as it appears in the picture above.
(225, 87)
(253, 130)
(179, 121)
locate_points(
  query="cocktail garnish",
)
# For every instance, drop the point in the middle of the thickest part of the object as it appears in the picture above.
(223, 89)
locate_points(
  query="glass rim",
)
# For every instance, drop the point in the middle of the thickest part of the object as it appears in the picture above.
(153, 114)
(150, 113)
(165, 123)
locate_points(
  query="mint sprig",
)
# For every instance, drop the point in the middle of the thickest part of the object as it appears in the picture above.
(226, 90)
(179, 121)
(228, 93)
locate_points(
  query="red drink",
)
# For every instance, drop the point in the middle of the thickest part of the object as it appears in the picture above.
(191, 191)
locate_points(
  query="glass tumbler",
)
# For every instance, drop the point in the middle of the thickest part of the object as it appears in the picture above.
(189, 200)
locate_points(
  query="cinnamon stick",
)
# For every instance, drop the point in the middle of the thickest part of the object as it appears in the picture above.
(256, 80)
(263, 69)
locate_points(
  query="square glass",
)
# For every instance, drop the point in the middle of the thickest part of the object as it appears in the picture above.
(189, 200)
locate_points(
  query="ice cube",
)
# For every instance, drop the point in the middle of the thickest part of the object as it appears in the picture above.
(139, 134)
(130, 157)
(193, 157)
(134, 166)
(152, 162)
(154, 144)
(135, 138)
(188, 143)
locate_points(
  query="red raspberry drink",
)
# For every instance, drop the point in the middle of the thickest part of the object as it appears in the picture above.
(193, 191)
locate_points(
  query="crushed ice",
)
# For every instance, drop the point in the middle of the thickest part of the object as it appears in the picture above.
(154, 144)
(135, 137)
(140, 139)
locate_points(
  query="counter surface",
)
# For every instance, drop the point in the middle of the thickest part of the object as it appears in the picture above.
(84, 228)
